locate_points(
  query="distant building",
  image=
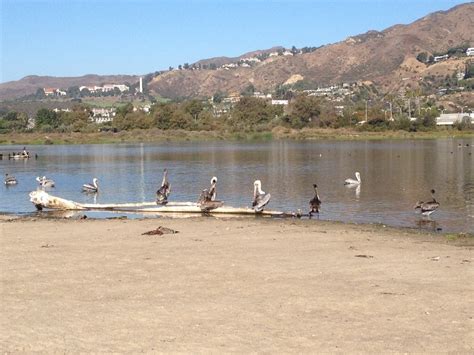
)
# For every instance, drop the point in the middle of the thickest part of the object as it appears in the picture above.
(54, 92)
(449, 119)
(280, 102)
(102, 115)
(440, 58)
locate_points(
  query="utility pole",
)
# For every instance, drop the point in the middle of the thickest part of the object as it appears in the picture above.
(409, 108)
(366, 110)
(391, 113)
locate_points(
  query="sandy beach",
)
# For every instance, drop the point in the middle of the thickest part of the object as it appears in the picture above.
(232, 285)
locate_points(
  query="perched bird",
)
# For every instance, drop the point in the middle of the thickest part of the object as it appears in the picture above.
(44, 182)
(352, 181)
(164, 191)
(260, 198)
(94, 187)
(207, 199)
(315, 202)
(10, 180)
(429, 207)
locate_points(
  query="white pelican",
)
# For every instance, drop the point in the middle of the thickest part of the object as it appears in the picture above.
(94, 187)
(164, 191)
(44, 182)
(10, 180)
(315, 202)
(352, 181)
(429, 207)
(260, 199)
(207, 200)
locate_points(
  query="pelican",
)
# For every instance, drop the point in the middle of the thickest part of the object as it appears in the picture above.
(94, 187)
(352, 181)
(429, 207)
(10, 180)
(260, 199)
(315, 202)
(207, 200)
(44, 182)
(164, 191)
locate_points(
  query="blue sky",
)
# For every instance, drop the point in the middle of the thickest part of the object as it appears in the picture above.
(77, 37)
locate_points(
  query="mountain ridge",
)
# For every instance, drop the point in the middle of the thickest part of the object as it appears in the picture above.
(378, 56)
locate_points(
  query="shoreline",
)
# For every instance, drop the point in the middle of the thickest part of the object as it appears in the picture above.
(160, 136)
(462, 238)
(237, 285)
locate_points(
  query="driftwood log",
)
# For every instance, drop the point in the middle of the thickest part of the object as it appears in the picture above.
(42, 200)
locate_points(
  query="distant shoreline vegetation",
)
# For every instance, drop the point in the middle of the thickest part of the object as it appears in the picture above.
(249, 117)
(155, 135)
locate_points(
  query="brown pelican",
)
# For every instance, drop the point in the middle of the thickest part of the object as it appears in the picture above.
(429, 207)
(260, 199)
(10, 180)
(352, 181)
(164, 191)
(315, 202)
(94, 187)
(207, 200)
(44, 182)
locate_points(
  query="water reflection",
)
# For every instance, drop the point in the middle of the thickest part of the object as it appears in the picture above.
(395, 174)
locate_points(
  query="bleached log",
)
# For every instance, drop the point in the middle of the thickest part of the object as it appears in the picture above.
(41, 199)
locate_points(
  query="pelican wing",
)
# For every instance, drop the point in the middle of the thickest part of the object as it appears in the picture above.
(260, 202)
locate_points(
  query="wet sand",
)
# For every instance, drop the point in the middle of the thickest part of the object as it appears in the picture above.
(235, 285)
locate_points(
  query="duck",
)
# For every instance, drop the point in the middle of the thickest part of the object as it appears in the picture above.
(44, 182)
(427, 208)
(10, 180)
(260, 198)
(94, 187)
(207, 200)
(315, 202)
(350, 181)
(164, 191)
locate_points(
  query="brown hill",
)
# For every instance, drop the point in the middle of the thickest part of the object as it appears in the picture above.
(29, 84)
(375, 56)
(386, 58)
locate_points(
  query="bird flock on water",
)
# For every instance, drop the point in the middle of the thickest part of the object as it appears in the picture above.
(207, 200)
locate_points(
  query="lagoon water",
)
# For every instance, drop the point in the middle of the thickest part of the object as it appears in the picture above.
(395, 174)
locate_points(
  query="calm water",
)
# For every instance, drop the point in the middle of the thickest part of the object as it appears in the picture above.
(395, 174)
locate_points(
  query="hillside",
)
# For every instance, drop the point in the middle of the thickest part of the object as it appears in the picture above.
(375, 56)
(386, 58)
(29, 84)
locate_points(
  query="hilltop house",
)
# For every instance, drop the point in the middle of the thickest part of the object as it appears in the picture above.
(54, 92)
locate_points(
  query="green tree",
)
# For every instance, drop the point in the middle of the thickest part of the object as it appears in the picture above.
(45, 117)
(194, 108)
(248, 91)
(218, 97)
(304, 110)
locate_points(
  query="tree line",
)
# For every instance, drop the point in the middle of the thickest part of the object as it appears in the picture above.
(248, 115)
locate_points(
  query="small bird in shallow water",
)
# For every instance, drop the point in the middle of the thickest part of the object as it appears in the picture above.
(164, 191)
(315, 202)
(260, 198)
(10, 180)
(207, 199)
(94, 187)
(429, 207)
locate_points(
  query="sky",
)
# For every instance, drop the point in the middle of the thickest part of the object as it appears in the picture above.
(78, 37)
